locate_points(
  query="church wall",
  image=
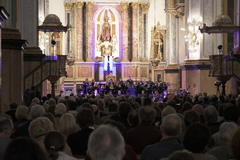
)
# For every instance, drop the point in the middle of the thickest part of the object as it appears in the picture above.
(57, 7)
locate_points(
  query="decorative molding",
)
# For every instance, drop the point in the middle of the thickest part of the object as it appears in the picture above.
(79, 4)
(135, 6)
(13, 44)
(145, 7)
(124, 6)
(90, 5)
(196, 67)
(171, 70)
(177, 11)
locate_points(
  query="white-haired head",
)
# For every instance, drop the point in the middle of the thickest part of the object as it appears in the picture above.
(106, 143)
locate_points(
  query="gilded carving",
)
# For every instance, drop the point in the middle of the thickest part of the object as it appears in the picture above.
(68, 6)
(157, 42)
(145, 7)
(79, 4)
(177, 10)
(124, 6)
(90, 5)
(135, 6)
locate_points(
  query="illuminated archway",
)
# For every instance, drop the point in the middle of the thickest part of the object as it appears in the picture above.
(114, 21)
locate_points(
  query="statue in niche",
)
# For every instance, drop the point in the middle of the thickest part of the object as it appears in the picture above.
(158, 34)
(105, 38)
(106, 30)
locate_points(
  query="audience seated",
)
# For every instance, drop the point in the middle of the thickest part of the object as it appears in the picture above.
(167, 110)
(54, 144)
(191, 117)
(24, 149)
(235, 145)
(22, 121)
(145, 133)
(152, 127)
(222, 140)
(6, 128)
(211, 119)
(196, 140)
(171, 128)
(106, 143)
(181, 155)
(67, 124)
(38, 129)
(78, 140)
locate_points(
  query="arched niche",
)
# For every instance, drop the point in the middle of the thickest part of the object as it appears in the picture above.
(114, 21)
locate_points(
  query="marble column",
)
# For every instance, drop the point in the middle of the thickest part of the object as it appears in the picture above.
(79, 31)
(12, 67)
(135, 31)
(124, 9)
(145, 8)
(171, 40)
(90, 23)
(68, 8)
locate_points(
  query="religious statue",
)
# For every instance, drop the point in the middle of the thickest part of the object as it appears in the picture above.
(107, 44)
(158, 34)
(106, 30)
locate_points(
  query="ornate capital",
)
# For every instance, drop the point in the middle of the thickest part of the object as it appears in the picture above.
(145, 7)
(135, 6)
(79, 4)
(68, 6)
(177, 10)
(90, 4)
(124, 6)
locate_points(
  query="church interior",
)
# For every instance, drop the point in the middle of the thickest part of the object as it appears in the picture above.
(55, 45)
(119, 79)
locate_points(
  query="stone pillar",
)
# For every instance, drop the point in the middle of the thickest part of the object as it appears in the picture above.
(28, 21)
(68, 8)
(79, 31)
(135, 31)
(124, 8)
(3, 17)
(144, 7)
(90, 23)
(171, 39)
(12, 67)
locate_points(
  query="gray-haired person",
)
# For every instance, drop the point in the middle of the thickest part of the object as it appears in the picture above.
(106, 143)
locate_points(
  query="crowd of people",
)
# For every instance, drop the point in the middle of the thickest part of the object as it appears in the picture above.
(111, 126)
